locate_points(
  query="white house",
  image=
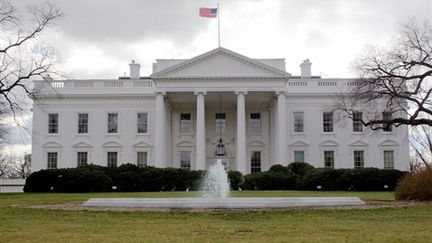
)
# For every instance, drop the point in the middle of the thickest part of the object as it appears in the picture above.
(251, 113)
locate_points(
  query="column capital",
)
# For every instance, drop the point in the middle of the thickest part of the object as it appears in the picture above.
(240, 92)
(281, 92)
(198, 92)
(163, 93)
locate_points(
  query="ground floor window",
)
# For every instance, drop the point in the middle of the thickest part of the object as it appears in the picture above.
(358, 159)
(256, 162)
(388, 159)
(112, 159)
(185, 159)
(82, 158)
(329, 159)
(52, 160)
(141, 159)
(299, 156)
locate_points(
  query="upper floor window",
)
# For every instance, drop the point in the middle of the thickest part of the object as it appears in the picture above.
(329, 159)
(388, 159)
(298, 122)
(112, 122)
(53, 122)
(142, 122)
(328, 121)
(83, 123)
(185, 159)
(256, 162)
(82, 158)
(112, 159)
(255, 123)
(358, 159)
(52, 160)
(185, 123)
(220, 123)
(141, 159)
(357, 122)
(299, 156)
(387, 116)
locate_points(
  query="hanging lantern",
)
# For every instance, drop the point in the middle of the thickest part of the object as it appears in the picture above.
(220, 148)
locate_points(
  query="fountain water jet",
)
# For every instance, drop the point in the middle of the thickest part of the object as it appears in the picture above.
(215, 183)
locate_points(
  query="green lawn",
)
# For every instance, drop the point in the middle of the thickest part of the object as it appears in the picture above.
(21, 224)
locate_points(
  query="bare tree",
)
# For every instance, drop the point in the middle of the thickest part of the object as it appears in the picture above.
(421, 144)
(394, 86)
(21, 167)
(5, 163)
(22, 56)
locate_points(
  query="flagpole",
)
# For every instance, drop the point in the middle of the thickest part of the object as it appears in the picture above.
(218, 11)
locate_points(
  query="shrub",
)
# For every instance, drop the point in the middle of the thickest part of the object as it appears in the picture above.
(269, 180)
(235, 179)
(299, 168)
(415, 186)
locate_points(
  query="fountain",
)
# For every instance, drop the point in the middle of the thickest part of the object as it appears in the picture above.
(216, 196)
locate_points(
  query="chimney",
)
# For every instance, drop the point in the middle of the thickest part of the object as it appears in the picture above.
(306, 69)
(134, 70)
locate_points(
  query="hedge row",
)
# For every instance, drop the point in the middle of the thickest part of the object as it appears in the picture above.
(302, 176)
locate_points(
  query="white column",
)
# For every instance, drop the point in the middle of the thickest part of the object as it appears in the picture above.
(160, 133)
(281, 130)
(241, 132)
(200, 131)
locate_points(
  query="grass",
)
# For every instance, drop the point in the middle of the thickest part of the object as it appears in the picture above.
(21, 224)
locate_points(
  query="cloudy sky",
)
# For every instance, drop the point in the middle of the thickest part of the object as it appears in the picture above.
(98, 38)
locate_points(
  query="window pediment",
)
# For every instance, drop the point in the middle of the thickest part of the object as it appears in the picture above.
(112, 144)
(329, 143)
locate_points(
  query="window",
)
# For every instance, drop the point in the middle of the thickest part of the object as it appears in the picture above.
(141, 159)
(299, 156)
(112, 122)
(81, 158)
(82, 123)
(328, 121)
(388, 159)
(329, 159)
(357, 122)
(358, 159)
(185, 159)
(185, 123)
(112, 159)
(220, 123)
(256, 162)
(142, 122)
(52, 160)
(255, 123)
(298, 122)
(53, 123)
(387, 116)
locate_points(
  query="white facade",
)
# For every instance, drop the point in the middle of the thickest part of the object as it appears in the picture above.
(169, 119)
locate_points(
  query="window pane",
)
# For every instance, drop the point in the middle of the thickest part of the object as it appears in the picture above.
(329, 159)
(298, 122)
(357, 122)
(112, 159)
(142, 122)
(328, 121)
(220, 123)
(185, 159)
(388, 159)
(185, 123)
(255, 123)
(53, 123)
(387, 116)
(52, 160)
(83, 123)
(81, 158)
(358, 159)
(256, 162)
(299, 156)
(112, 122)
(141, 159)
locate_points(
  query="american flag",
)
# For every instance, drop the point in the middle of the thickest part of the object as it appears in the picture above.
(208, 12)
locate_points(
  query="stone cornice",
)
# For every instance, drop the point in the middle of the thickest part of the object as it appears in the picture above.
(242, 78)
(92, 96)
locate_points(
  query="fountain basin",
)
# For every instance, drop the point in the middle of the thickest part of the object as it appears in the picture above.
(224, 203)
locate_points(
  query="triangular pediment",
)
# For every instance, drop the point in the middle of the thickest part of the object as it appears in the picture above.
(141, 145)
(82, 145)
(299, 144)
(358, 144)
(220, 62)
